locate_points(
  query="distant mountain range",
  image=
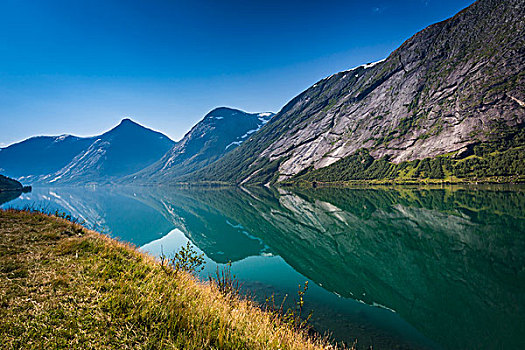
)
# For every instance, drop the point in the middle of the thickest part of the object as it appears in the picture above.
(40, 155)
(125, 149)
(129, 152)
(448, 105)
(67, 159)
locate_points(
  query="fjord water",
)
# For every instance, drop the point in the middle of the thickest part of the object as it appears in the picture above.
(394, 268)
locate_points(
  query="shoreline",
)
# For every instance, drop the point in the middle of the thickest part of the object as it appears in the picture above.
(64, 284)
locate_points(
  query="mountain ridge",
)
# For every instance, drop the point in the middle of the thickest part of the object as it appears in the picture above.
(68, 159)
(123, 150)
(219, 132)
(40, 155)
(452, 85)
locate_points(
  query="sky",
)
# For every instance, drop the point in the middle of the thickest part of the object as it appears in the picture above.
(79, 67)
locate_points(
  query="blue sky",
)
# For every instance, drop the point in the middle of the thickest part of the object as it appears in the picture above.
(79, 67)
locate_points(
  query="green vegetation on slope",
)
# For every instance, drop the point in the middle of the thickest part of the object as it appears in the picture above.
(501, 159)
(62, 286)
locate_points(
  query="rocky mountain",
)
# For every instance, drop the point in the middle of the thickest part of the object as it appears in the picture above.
(123, 150)
(449, 103)
(219, 132)
(40, 155)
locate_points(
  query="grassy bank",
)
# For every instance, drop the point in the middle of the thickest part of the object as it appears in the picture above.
(63, 286)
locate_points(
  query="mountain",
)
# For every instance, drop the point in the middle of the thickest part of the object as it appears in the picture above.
(40, 155)
(10, 189)
(8, 184)
(219, 132)
(125, 149)
(448, 104)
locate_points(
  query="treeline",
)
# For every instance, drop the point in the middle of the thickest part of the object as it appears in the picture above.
(505, 157)
(8, 184)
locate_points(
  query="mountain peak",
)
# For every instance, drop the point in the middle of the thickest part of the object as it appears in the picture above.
(221, 112)
(128, 121)
(127, 124)
(224, 109)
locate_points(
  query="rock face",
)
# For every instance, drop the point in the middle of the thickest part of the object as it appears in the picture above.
(222, 130)
(449, 86)
(123, 150)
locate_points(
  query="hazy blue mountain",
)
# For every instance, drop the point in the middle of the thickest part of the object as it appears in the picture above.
(219, 132)
(40, 155)
(456, 89)
(125, 149)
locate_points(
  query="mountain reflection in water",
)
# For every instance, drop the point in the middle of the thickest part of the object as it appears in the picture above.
(450, 262)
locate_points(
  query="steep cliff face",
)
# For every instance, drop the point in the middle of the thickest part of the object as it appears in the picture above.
(219, 132)
(456, 83)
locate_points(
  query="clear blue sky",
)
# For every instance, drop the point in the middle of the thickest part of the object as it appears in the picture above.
(79, 67)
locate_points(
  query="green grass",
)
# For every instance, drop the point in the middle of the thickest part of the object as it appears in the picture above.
(65, 287)
(501, 161)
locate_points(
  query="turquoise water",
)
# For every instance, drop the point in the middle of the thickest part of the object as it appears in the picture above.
(398, 268)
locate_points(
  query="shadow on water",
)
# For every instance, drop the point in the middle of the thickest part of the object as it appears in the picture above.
(450, 262)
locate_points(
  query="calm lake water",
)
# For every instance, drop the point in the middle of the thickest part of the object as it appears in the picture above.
(395, 268)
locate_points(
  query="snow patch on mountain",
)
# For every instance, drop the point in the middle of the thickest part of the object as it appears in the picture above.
(365, 66)
(263, 118)
(61, 138)
(233, 143)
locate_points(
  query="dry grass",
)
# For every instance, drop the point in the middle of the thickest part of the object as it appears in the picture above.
(62, 286)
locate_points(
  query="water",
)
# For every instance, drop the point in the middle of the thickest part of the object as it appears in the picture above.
(395, 268)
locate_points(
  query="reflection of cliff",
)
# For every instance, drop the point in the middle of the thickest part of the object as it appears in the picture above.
(449, 262)
(206, 226)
